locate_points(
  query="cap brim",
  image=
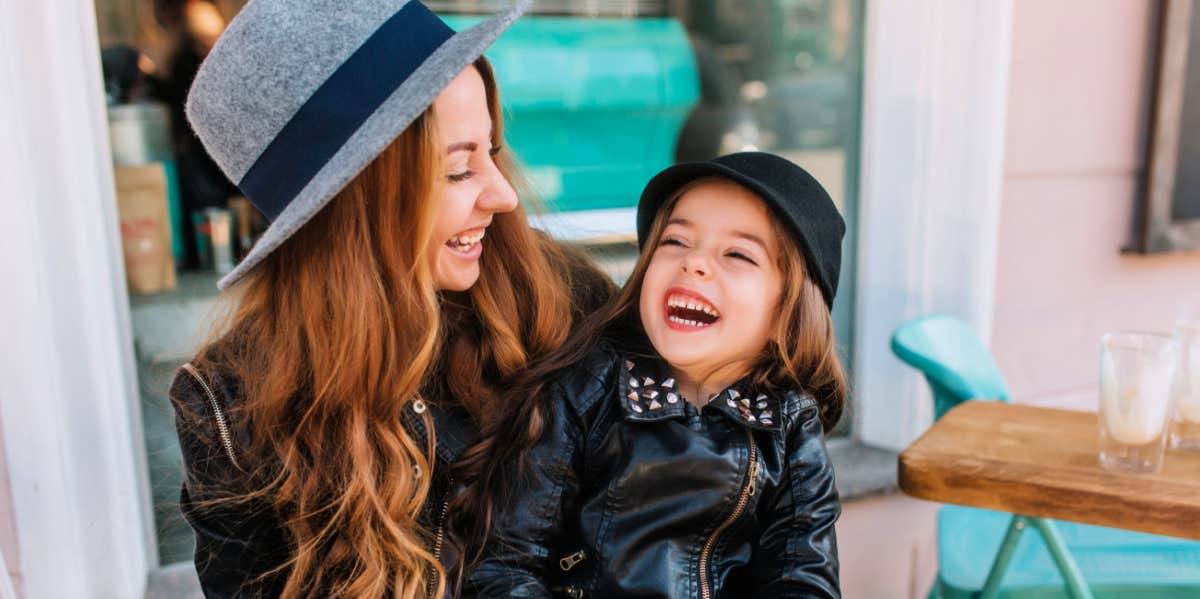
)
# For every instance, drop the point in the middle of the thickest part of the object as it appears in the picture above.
(388, 121)
(665, 184)
(669, 181)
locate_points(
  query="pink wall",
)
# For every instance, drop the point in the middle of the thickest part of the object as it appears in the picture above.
(1076, 110)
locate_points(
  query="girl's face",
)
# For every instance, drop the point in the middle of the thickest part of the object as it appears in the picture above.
(710, 292)
(475, 189)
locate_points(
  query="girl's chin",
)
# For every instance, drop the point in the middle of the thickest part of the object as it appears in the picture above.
(680, 352)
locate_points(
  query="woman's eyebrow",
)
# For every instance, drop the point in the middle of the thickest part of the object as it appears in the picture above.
(469, 146)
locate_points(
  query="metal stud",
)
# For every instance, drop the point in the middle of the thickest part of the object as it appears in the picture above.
(633, 396)
(732, 404)
(633, 382)
(766, 414)
(419, 406)
(766, 421)
(745, 402)
(654, 405)
(734, 393)
(628, 365)
(749, 416)
(669, 383)
(636, 407)
(672, 398)
(649, 381)
(651, 394)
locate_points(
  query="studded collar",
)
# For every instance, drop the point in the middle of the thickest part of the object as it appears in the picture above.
(649, 393)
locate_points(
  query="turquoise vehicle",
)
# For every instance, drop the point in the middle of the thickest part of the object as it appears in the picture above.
(594, 106)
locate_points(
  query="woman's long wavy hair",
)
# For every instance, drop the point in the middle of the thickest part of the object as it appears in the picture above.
(340, 329)
(801, 353)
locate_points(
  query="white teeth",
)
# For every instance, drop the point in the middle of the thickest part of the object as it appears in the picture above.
(690, 323)
(467, 239)
(679, 301)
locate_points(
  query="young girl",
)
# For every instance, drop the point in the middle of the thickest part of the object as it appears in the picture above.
(682, 449)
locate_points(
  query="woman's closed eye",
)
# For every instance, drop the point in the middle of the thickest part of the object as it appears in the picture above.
(468, 173)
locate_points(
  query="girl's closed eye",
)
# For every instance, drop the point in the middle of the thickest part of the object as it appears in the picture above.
(670, 240)
(740, 255)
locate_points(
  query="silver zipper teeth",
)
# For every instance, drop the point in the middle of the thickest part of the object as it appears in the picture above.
(441, 535)
(747, 492)
(222, 426)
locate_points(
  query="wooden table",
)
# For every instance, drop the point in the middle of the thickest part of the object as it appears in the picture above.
(1043, 462)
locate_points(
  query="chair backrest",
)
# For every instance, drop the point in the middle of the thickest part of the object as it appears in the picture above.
(953, 359)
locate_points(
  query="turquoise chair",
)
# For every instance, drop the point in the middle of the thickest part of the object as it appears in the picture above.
(982, 553)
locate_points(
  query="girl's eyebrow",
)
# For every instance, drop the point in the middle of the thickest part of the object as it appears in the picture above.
(751, 238)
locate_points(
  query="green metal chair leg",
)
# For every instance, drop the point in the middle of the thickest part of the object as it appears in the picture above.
(1062, 556)
(991, 588)
(1073, 578)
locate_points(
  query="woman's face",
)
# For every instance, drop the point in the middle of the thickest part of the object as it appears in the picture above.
(710, 294)
(475, 190)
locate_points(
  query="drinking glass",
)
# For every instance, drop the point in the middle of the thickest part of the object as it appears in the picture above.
(1185, 422)
(1136, 376)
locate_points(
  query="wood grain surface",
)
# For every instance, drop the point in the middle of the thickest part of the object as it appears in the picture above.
(1043, 462)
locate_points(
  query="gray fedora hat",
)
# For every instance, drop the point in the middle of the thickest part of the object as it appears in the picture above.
(298, 96)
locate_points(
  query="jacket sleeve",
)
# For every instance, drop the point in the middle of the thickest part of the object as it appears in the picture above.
(797, 552)
(524, 536)
(240, 545)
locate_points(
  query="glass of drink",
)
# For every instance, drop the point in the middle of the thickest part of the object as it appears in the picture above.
(1136, 377)
(1185, 422)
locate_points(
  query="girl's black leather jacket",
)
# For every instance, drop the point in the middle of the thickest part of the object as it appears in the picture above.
(632, 491)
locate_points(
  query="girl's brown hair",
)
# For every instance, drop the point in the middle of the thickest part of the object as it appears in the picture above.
(340, 330)
(801, 354)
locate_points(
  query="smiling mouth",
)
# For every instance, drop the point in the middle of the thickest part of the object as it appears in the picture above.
(687, 310)
(464, 243)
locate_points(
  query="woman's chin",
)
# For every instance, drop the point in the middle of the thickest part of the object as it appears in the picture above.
(456, 279)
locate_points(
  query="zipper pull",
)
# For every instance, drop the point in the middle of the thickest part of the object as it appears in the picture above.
(572, 560)
(753, 478)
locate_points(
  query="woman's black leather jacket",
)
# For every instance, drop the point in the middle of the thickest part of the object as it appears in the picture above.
(633, 491)
(242, 547)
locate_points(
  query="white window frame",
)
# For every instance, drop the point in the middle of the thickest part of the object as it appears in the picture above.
(68, 387)
(934, 104)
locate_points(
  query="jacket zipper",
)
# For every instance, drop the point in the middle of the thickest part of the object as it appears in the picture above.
(440, 538)
(571, 561)
(222, 425)
(747, 492)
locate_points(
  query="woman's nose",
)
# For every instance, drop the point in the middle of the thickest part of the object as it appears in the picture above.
(498, 195)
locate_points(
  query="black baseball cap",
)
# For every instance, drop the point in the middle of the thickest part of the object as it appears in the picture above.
(791, 192)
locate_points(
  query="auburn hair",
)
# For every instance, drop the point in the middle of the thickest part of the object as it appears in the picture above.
(801, 353)
(336, 333)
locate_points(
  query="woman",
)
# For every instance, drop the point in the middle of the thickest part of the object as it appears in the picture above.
(394, 293)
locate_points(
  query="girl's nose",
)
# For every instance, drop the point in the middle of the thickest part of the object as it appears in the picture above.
(695, 265)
